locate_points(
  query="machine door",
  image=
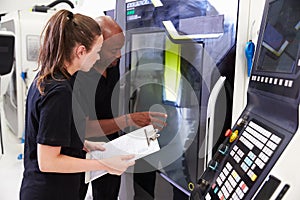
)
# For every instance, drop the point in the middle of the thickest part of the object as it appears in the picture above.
(175, 52)
(164, 79)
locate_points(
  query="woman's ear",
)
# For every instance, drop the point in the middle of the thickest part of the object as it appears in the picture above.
(80, 50)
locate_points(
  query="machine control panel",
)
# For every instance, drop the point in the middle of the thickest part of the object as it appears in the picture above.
(246, 161)
(257, 143)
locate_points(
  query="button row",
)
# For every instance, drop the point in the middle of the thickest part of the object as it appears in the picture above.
(260, 129)
(259, 136)
(274, 81)
(264, 132)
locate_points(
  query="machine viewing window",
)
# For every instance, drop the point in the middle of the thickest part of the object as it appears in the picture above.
(281, 38)
(7, 43)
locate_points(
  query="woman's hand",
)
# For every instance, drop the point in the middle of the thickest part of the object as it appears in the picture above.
(118, 164)
(140, 119)
(92, 146)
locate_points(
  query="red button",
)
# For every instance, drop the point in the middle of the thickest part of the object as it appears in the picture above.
(228, 133)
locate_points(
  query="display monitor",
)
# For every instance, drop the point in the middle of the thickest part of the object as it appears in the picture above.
(276, 66)
(279, 49)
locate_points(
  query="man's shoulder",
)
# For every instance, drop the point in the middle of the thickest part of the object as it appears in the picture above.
(87, 77)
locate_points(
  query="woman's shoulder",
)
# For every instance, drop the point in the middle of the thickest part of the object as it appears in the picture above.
(58, 86)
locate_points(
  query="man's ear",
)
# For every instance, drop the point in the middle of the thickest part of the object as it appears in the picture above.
(80, 50)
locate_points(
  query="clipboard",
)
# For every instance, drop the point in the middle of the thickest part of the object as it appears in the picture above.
(141, 142)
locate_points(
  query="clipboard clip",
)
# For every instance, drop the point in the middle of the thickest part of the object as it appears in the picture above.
(151, 136)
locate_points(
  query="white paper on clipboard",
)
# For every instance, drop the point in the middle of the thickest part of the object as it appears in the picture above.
(140, 142)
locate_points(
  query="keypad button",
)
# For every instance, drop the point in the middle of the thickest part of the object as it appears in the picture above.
(275, 139)
(271, 80)
(228, 166)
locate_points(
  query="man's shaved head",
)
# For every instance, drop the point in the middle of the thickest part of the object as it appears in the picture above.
(109, 27)
(114, 38)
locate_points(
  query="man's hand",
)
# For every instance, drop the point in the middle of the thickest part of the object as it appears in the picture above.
(140, 119)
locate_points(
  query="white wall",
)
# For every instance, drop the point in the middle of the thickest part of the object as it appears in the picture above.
(12, 5)
(250, 15)
(92, 8)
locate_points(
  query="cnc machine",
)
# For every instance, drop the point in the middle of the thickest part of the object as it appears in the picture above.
(27, 27)
(179, 59)
(258, 156)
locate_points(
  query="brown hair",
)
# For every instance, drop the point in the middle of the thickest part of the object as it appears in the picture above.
(61, 34)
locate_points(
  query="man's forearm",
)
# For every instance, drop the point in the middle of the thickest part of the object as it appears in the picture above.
(96, 128)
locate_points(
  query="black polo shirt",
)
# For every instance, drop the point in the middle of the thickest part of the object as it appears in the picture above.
(50, 121)
(97, 95)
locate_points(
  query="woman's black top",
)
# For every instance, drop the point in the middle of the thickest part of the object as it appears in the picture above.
(50, 121)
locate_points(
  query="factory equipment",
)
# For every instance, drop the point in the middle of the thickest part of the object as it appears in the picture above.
(179, 59)
(27, 28)
(7, 46)
(258, 156)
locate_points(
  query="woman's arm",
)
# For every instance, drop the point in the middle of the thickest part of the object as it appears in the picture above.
(50, 160)
(93, 146)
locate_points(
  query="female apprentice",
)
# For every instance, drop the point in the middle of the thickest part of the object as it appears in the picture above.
(54, 130)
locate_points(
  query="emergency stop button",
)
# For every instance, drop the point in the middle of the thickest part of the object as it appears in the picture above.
(228, 133)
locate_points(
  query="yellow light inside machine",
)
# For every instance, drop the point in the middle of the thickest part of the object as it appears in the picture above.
(172, 73)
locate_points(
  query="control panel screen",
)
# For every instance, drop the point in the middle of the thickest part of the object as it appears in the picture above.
(279, 50)
(277, 60)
